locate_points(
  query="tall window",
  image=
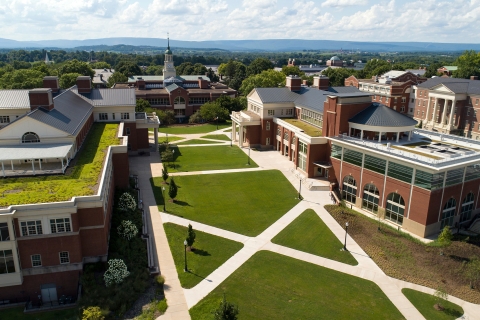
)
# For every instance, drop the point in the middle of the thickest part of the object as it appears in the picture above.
(285, 135)
(60, 225)
(30, 137)
(267, 125)
(179, 100)
(395, 208)
(64, 257)
(448, 213)
(370, 198)
(349, 189)
(125, 116)
(267, 141)
(31, 228)
(4, 234)
(278, 131)
(6, 262)
(302, 155)
(467, 207)
(103, 116)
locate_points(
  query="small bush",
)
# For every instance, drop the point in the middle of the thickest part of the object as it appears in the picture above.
(117, 271)
(127, 202)
(93, 313)
(127, 229)
(160, 280)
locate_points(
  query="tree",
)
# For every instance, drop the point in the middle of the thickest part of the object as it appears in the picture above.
(292, 70)
(190, 236)
(127, 229)
(21, 79)
(116, 77)
(92, 313)
(166, 117)
(116, 272)
(172, 190)
(468, 64)
(432, 70)
(167, 155)
(266, 79)
(258, 65)
(164, 174)
(226, 311)
(229, 103)
(195, 118)
(100, 65)
(154, 70)
(211, 110)
(445, 238)
(68, 80)
(472, 271)
(127, 202)
(75, 66)
(212, 75)
(142, 105)
(128, 68)
(337, 76)
(440, 295)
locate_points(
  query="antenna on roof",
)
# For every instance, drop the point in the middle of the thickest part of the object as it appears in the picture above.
(168, 39)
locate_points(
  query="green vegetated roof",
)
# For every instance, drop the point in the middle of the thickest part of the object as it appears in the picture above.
(308, 129)
(81, 178)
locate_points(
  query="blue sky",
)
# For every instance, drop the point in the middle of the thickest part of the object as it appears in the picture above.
(355, 20)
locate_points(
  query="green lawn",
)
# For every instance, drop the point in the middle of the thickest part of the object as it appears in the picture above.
(209, 158)
(196, 141)
(310, 234)
(209, 253)
(243, 202)
(80, 179)
(17, 314)
(424, 303)
(217, 137)
(163, 139)
(194, 128)
(272, 286)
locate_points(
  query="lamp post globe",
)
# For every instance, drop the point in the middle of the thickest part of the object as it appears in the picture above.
(173, 156)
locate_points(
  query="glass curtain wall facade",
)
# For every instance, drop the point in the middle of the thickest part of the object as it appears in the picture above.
(349, 189)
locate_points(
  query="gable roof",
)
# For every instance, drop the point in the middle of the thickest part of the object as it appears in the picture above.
(454, 84)
(272, 95)
(14, 99)
(379, 115)
(108, 97)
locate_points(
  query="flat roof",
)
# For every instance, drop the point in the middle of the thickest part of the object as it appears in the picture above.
(34, 151)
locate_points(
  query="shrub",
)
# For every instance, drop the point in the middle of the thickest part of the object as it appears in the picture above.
(164, 174)
(160, 280)
(92, 313)
(116, 272)
(172, 190)
(226, 311)
(190, 236)
(127, 229)
(195, 118)
(127, 202)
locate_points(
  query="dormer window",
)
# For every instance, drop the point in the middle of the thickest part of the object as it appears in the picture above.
(30, 137)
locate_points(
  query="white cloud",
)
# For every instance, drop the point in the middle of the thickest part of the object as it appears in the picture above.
(344, 3)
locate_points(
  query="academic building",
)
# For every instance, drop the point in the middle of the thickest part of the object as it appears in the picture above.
(369, 154)
(184, 95)
(56, 204)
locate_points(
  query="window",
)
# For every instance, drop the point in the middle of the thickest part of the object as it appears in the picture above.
(375, 164)
(467, 207)
(267, 141)
(419, 103)
(289, 112)
(423, 114)
(281, 112)
(454, 177)
(404, 99)
(60, 225)
(418, 112)
(468, 111)
(278, 131)
(4, 234)
(113, 116)
(476, 101)
(31, 228)
(64, 257)
(163, 101)
(386, 99)
(285, 135)
(5, 119)
(420, 93)
(30, 137)
(400, 172)
(353, 157)
(267, 125)
(370, 198)
(402, 109)
(194, 100)
(395, 208)
(125, 116)
(448, 213)
(349, 189)
(473, 172)
(336, 152)
(127, 131)
(429, 181)
(311, 117)
(271, 112)
(36, 260)
(6, 262)
(103, 116)
(302, 155)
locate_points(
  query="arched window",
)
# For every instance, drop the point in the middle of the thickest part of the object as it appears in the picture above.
(278, 132)
(179, 100)
(467, 207)
(285, 135)
(30, 137)
(395, 208)
(448, 212)
(370, 198)
(349, 189)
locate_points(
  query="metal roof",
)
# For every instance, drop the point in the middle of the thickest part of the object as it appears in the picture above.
(34, 151)
(269, 95)
(14, 99)
(312, 98)
(456, 85)
(172, 87)
(394, 73)
(108, 97)
(69, 113)
(379, 115)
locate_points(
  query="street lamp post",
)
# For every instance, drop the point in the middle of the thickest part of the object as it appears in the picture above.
(173, 156)
(185, 244)
(300, 190)
(346, 232)
(249, 154)
(217, 122)
(167, 137)
(163, 194)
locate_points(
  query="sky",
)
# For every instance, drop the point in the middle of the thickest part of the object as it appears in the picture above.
(354, 20)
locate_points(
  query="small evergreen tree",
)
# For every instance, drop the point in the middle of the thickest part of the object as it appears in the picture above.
(165, 174)
(445, 238)
(190, 236)
(226, 311)
(167, 155)
(172, 190)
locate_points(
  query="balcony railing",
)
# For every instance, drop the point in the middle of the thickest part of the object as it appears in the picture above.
(143, 117)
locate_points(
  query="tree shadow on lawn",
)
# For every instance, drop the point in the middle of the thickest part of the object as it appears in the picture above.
(201, 252)
(197, 275)
(452, 312)
(182, 203)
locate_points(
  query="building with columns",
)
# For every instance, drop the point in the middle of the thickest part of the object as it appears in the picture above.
(366, 153)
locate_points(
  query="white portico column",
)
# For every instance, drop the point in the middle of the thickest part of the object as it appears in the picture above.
(361, 134)
(428, 109)
(398, 136)
(452, 111)
(240, 136)
(444, 114)
(155, 138)
(233, 132)
(410, 135)
(434, 116)
(349, 131)
(380, 137)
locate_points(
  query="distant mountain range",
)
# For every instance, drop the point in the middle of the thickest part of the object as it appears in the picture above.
(247, 45)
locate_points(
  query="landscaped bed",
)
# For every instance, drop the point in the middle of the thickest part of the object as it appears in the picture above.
(425, 304)
(308, 129)
(403, 257)
(17, 314)
(80, 180)
(272, 286)
(209, 252)
(310, 234)
(243, 202)
(209, 158)
(194, 128)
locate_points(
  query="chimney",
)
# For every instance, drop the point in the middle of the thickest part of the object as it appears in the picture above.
(202, 83)
(321, 82)
(473, 77)
(41, 97)
(294, 83)
(52, 83)
(140, 83)
(84, 84)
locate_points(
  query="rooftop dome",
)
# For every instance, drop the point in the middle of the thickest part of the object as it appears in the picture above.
(168, 51)
(334, 58)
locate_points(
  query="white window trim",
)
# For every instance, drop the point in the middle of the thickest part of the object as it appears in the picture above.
(59, 217)
(60, 257)
(31, 258)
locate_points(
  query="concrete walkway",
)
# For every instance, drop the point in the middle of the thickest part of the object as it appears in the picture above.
(180, 300)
